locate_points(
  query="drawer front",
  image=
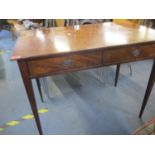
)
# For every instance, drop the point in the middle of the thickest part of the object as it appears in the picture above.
(127, 54)
(64, 63)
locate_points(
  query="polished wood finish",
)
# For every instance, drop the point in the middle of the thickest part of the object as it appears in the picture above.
(75, 39)
(56, 65)
(30, 93)
(59, 50)
(149, 89)
(128, 54)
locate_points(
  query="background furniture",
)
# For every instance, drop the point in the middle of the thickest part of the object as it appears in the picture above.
(147, 129)
(5, 25)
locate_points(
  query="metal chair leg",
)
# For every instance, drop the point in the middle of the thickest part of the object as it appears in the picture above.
(130, 68)
(39, 88)
(117, 74)
(45, 86)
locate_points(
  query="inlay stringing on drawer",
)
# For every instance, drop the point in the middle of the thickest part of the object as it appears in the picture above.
(60, 64)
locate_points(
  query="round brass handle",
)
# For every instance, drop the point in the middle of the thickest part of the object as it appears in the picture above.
(68, 63)
(136, 52)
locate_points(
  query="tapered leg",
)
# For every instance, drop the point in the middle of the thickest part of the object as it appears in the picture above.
(29, 89)
(39, 88)
(117, 74)
(148, 90)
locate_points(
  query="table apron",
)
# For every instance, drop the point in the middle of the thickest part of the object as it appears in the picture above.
(82, 61)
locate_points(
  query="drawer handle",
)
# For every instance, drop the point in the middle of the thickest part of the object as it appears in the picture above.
(136, 52)
(68, 63)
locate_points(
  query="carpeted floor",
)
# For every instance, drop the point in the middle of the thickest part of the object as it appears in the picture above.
(6, 42)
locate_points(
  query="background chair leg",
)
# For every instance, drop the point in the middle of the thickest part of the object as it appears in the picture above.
(39, 88)
(130, 68)
(117, 74)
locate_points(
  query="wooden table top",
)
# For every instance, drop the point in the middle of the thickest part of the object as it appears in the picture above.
(53, 41)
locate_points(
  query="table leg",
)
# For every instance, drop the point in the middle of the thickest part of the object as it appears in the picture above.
(148, 90)
(30, 93)
(117, 74)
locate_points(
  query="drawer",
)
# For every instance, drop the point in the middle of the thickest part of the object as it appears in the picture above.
(64, 64)
(127, 54)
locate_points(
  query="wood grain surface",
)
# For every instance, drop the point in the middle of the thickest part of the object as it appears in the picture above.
(57, 41)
